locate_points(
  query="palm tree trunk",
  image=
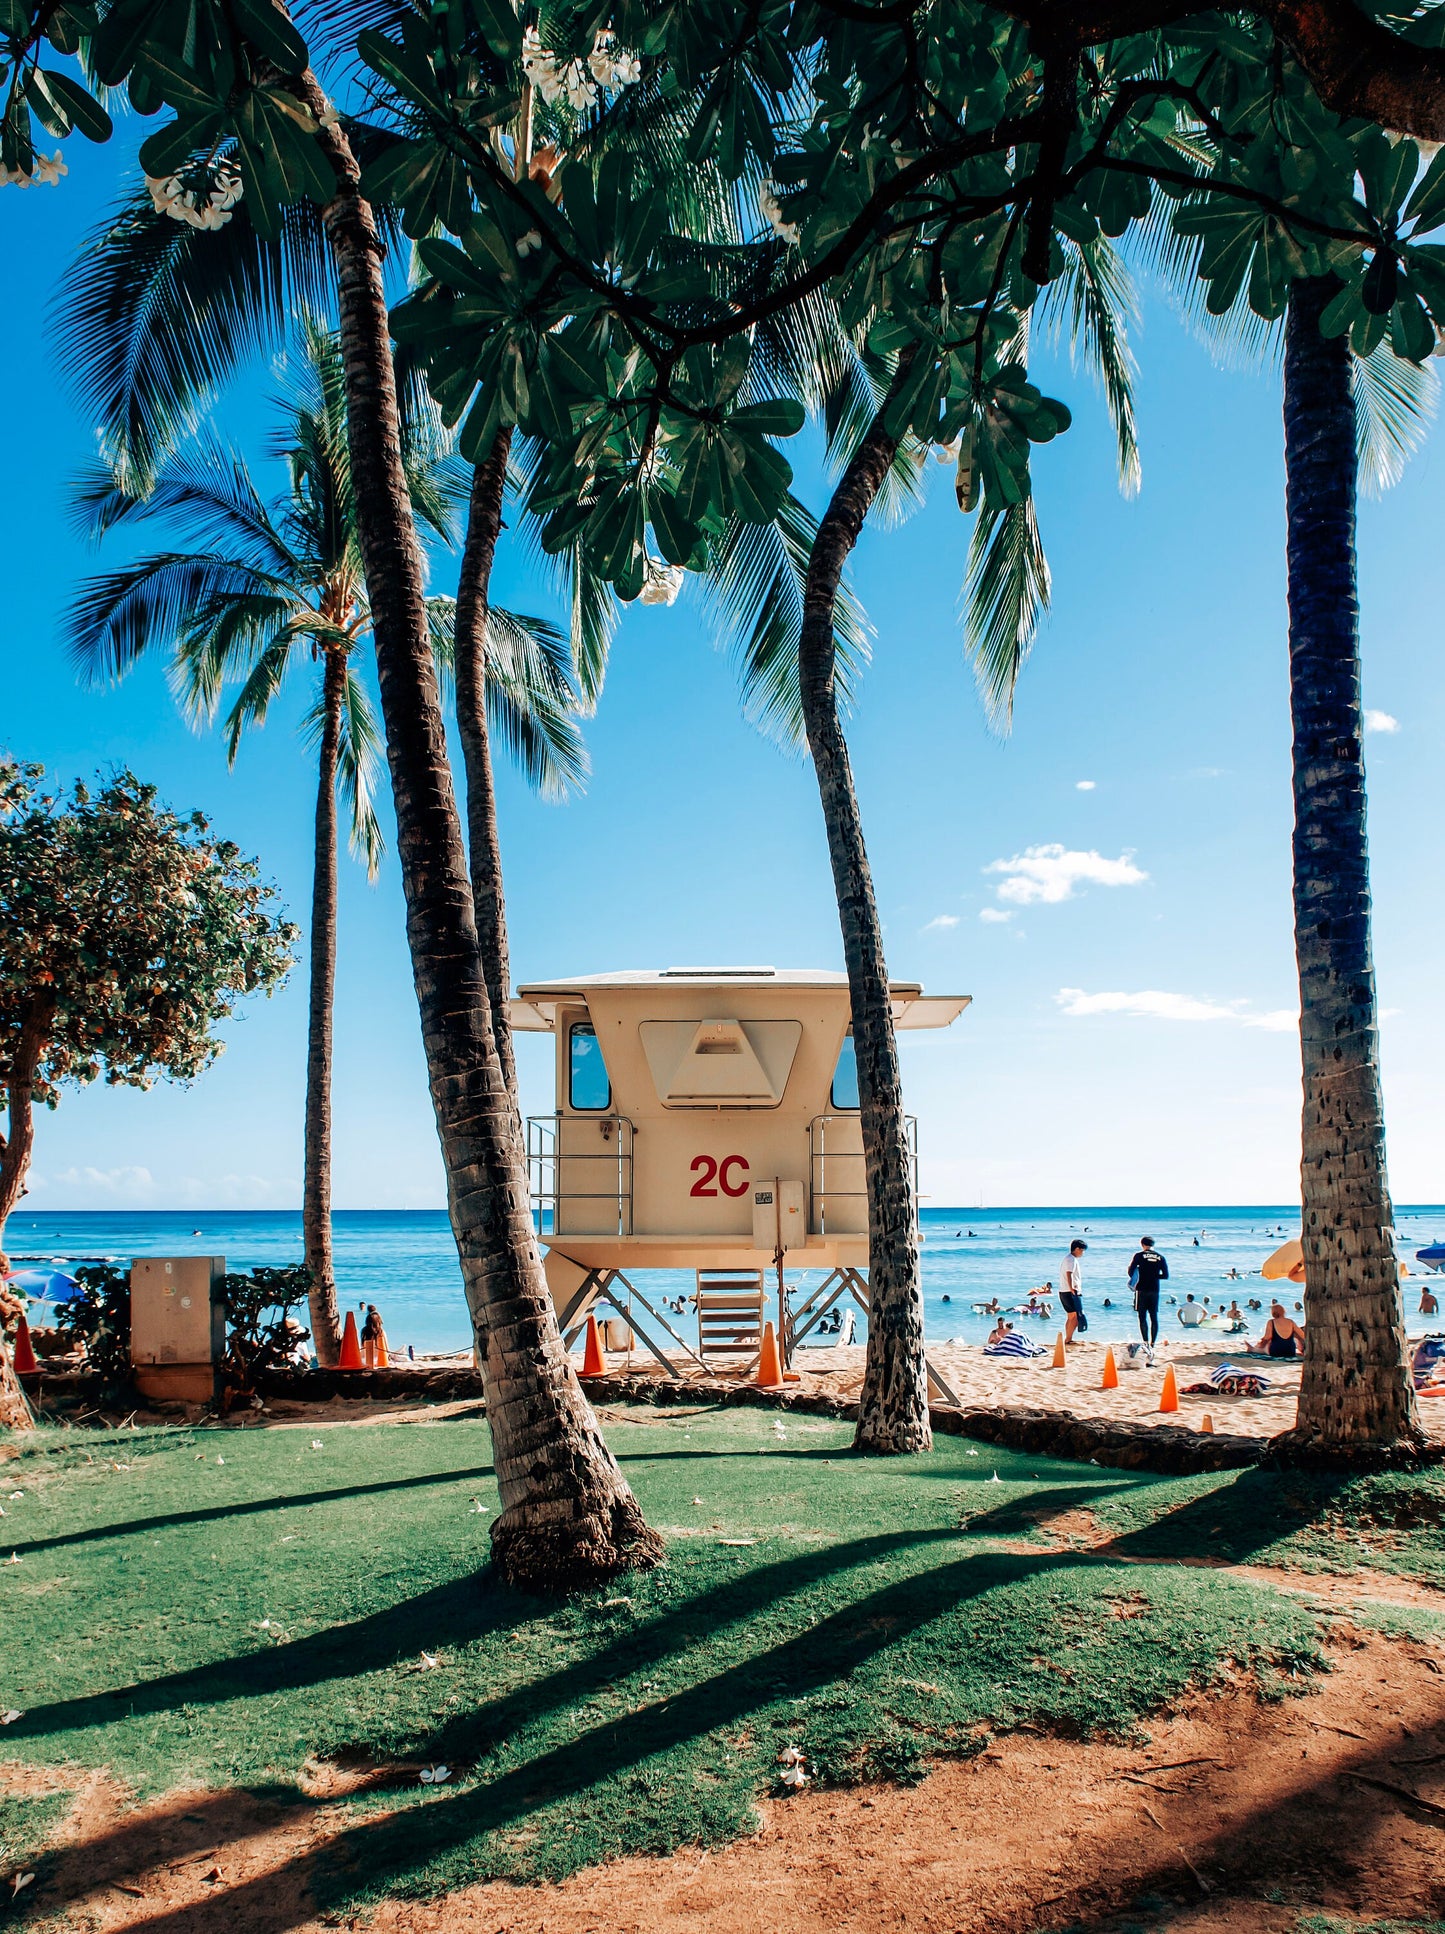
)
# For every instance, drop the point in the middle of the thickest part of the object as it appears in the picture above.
(316, 1199)
(484, 523)
(568, 1516)
(1357, 1396)
(893, 1407)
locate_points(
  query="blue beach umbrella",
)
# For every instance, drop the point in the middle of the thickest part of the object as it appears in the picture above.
(49, 1285)
(1433, 1257)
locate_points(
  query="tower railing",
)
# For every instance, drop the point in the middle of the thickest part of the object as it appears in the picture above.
(553, 1172)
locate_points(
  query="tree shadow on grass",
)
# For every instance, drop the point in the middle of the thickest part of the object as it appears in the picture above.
(1236, 1521)
(297, 1500)
(457, 1614)
(378, 1852)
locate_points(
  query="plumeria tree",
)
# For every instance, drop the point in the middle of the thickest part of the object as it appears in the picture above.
(131, 933)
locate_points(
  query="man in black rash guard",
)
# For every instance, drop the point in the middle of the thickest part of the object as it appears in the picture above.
(1146, 1272)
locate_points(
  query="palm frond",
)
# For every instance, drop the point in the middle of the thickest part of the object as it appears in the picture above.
(224, 636)
(254, 699)
(1395, 403)
(206, 489)
(754, 600)
(157, 316)
(531, 701)
(1094, 299)
(1006, 592)
(115, 615)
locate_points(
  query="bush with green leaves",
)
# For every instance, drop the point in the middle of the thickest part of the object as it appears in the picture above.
(258, 1308)
(98, 1321)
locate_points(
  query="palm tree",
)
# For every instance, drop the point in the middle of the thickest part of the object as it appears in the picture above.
(282, 581)
(1357, 1395)
(568, 1515)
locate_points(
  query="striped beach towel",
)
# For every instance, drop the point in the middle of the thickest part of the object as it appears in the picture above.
(1012, 1345)
(1232, 1381)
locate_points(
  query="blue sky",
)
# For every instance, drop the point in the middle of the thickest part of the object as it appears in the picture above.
(1143, 793)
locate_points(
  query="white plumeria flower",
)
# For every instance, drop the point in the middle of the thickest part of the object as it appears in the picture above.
(9, 1718)
(50, 169)
(662, 583)
(772, 213)
(328, 117)
(434, 1775)
(531, 240)
(795, 1766)
(18, 1881)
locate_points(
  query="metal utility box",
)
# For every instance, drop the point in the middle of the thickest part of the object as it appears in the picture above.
(780, 1215)
(177, 1326)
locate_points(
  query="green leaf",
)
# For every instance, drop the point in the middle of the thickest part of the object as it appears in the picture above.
(783, 416)
(83, 109)
(680, 541)
(271, 34)
(1426, 206)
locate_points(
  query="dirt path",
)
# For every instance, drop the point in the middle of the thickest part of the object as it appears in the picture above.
(1236, 1815)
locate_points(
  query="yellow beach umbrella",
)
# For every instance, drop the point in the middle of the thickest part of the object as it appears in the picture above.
(1286, 1264)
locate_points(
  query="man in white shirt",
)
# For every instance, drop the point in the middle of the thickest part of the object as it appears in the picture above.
(1071, 1296)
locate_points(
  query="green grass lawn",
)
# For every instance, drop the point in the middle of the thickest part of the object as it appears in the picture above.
(217, 1606)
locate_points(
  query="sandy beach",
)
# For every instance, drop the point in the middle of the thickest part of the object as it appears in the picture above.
(978, 1380)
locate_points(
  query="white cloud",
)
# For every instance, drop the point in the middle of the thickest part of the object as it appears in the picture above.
(940, 923)
(109, 1181)
(1152, 1004)
(1084, 785)
(1380, 721)
(995, 916)
(1053, 873)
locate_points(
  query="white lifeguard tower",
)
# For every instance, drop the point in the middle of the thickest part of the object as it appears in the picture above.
(706, 1119)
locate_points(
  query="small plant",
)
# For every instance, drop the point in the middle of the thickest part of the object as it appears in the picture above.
(259, 1331)
(98, 1321)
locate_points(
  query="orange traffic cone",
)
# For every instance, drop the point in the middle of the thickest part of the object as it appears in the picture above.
(1060, 1359)
(593, 1362)
(770, 1370)
(24, 1353)
(1111, 1371)
(1207, 1423)
(1169, 1395)
(350, 1345)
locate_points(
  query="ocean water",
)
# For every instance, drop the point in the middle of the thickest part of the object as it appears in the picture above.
(406, 1263)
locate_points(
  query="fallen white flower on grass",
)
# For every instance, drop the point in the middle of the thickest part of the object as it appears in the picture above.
(737, 1541)
(697, 1500)
(476, 1510)
(17, 1881)
(316, 1443)
(16, 1494)
(971, 1453)
(995, 1479)
(795, 1766)
(429, 1662)
(220, 1460)
(434, 1775)
(9, 1718)
(13, 1559)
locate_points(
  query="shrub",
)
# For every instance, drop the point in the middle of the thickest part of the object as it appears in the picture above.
(98, 1320)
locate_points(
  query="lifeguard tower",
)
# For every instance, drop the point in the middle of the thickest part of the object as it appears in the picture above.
(706, 1119)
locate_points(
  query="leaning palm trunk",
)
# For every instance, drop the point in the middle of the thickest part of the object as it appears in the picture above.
(893, 1407)
(567, 1514)
(316, 1197)
(484, 523)
(1357, 1395)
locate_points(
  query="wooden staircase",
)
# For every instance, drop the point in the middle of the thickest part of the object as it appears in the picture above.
(729, 1316)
